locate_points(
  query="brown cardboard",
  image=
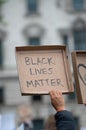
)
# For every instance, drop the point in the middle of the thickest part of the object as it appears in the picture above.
(43, 68)
(79, 66)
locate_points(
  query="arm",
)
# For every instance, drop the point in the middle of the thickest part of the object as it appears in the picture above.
(64, 118)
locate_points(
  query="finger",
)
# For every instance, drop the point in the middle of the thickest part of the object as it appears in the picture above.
(59, 93)
(52, 93)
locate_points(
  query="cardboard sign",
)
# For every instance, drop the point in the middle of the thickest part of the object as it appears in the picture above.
(79, 66)
(43, 68)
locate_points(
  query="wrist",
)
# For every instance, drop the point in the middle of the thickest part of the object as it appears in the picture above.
(60, 109)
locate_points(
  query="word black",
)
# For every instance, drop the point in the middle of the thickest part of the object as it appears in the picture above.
(38, 61)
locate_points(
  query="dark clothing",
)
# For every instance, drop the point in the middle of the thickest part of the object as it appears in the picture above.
(64, 120)
(27, 127)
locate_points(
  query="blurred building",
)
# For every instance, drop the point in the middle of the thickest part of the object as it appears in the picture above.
(38, 22)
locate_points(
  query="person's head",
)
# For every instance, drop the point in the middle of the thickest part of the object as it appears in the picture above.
(50, 123)
(24, 114)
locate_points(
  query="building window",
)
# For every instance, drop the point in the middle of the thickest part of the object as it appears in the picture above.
(37, 98)
(80, 39)
(78, 4)
(34, 41)
(33, 33)
(38, 124)
(1, 58)
(65, 40)
(72, 96)
(1, 95)
(32, 6)
(79, 34)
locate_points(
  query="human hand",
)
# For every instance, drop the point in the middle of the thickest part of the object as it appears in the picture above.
(57, 100)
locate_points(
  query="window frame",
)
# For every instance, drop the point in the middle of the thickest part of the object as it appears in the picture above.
(32, 6)
(70, 9)
(79, 26)
(76, 5)
(34, 98)
(81, 40)
(34, 40)
(2, 96)
(1, 54)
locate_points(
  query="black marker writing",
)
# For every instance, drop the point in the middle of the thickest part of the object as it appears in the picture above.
(44, 82)
(38, 61)
(38, 71)
(83, 78)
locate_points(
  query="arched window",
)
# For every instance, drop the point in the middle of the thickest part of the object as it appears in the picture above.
(79, 34)
(33, 34)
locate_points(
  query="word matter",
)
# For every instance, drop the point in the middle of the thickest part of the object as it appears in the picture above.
(44, 82)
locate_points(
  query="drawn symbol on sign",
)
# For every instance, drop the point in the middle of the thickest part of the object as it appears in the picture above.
(83, 78)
